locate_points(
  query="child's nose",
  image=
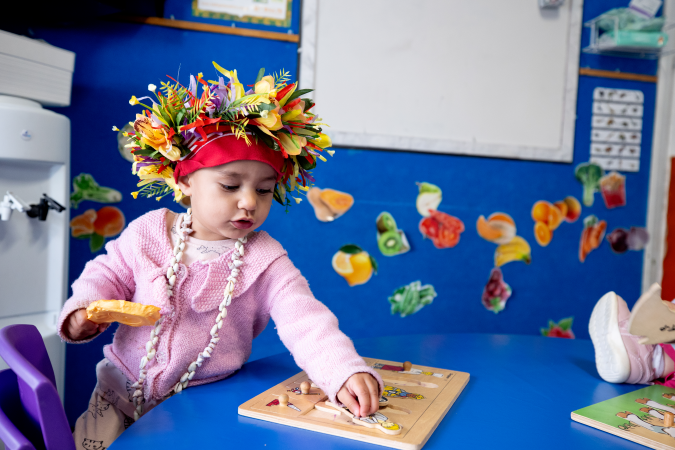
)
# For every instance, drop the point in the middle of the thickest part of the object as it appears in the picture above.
(248, 200)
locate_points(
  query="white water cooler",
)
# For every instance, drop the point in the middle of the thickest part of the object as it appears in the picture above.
(34, 161)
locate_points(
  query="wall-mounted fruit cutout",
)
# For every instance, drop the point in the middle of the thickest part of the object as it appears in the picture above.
(97, 225)
(498, 228)
(496, 292)
(390, 240)
(622, 240)
(354, 264)
(329, 204)
(428, 198)
(516, 250)
(562, 329)
(549, 216)
(443, 229)
(591, 237)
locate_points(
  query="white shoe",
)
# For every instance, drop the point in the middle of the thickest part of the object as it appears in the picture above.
(611, 357)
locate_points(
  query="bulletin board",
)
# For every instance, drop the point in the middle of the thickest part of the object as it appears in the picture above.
(479, 78)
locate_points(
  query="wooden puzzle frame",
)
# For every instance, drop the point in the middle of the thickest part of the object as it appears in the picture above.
(418, 412)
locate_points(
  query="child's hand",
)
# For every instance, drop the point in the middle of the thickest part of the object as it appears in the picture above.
(78, 327)
(360, 394)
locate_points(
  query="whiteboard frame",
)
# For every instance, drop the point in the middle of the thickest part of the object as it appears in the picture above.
(564, 152)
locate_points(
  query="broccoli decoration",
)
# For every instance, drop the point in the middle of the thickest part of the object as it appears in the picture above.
(409, 299)
(589, 175)
(86, 188)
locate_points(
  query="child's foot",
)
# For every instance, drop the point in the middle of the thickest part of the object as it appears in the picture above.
(618, 356)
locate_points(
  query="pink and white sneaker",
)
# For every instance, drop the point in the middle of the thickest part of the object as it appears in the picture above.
(618, 356)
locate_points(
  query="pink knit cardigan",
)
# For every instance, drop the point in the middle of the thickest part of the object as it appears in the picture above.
(134, 269)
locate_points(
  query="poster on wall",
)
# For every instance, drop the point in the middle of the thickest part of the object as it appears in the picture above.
(264, 12)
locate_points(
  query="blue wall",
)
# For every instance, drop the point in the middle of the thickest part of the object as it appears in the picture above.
(116, 60)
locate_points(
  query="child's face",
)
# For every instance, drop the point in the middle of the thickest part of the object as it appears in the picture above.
(231, 200)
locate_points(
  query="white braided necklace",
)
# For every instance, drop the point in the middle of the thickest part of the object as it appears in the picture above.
(183, 231)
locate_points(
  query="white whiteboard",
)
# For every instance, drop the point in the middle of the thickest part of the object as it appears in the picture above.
(479, 77)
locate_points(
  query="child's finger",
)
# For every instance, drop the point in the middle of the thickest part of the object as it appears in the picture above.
(374, 394)
(351, 403)
(363, 394)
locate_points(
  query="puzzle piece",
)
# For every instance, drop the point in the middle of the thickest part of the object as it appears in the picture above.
(401, 369)
(378, 420)
(391, 391)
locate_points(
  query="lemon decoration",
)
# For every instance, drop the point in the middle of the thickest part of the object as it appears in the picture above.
(354, 264)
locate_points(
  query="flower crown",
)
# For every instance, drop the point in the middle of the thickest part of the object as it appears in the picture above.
(272, 113)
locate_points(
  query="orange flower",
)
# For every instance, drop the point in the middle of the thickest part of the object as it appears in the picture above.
(296, 113)
(109, 221)
(83, 224)
(292, 144)
(156, 138)
(272, 120)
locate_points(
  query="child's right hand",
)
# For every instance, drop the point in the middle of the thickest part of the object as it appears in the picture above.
(78, 327)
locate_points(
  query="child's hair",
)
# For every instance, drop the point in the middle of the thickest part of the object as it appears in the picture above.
(183, 132)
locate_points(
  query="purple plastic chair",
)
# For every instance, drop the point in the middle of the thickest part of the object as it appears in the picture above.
(31, 414)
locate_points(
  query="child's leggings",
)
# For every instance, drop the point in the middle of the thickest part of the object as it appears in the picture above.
(111, 409)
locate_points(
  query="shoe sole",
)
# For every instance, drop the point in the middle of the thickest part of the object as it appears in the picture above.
(611, 357)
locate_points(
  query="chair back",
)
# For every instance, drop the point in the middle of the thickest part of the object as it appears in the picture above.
(38, 412)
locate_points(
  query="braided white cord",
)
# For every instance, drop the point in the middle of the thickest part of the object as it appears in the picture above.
(227, 299)
(184, 222)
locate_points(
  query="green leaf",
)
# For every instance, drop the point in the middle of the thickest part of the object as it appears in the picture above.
(96, 242)
(544, 332)
(351, 249)
(566, 324)
(83, 236)
(261, 73)
(375, 266)
(297, 94)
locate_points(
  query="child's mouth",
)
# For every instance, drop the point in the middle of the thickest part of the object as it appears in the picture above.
(242, 224)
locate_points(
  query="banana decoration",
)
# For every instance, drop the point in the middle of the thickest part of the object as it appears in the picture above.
(516, 250)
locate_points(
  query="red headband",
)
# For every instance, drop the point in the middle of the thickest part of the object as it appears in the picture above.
(224, 148)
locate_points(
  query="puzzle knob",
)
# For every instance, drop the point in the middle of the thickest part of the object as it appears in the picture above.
(668, 419)
(283, 400)
(407, 366)
(304, 387)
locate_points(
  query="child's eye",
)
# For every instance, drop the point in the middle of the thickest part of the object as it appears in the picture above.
(264, 191)
(229, 188)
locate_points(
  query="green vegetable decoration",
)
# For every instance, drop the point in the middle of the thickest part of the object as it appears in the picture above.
(86, 188)
(409, 299)
(589, 175)
(562, 329)
(390, 240)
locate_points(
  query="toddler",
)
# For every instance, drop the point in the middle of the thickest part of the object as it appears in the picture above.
(618, 356)
(217, 281)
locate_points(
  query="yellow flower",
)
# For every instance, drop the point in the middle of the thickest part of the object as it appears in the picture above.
(296, 113)
(323, 141)
(149, 173)
(156, 138)
(134, 194)
(292, 144)
(115, 128)
(133, 101)
(265, 85)
(330, 152)
(297, 200)
(272, 121)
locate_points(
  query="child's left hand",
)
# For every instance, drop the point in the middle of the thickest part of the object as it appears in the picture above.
(360, 394)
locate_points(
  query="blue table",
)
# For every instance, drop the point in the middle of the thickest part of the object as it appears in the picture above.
(521, 393)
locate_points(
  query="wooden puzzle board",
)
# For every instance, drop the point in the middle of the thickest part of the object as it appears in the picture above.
(416, 401)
